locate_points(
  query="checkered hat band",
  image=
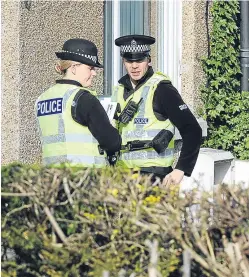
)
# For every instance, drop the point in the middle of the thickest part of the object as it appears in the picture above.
(136, 48)
(93, 58)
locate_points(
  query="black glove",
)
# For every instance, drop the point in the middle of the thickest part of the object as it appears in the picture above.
(129, 111)
(118, 110)
(101, 151)
(112, 159)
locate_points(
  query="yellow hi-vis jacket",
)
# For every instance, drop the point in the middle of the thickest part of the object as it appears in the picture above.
(144, 126)
(63, 139)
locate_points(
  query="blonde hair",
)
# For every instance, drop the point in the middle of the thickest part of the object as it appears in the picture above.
(62, 66)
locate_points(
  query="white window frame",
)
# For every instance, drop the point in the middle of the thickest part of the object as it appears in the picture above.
(169, 39)
(116, 33)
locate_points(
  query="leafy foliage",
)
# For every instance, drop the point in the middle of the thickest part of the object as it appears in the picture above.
(226, 107)
(73, 222)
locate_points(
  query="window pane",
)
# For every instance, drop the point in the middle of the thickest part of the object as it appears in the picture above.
(134, 19)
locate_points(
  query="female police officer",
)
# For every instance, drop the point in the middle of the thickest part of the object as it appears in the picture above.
(71, 120)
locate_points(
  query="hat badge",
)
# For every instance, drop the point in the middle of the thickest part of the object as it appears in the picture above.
(133, 43)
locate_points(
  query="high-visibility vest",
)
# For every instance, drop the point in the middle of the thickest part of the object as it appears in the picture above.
(63, 139)
(144, 126)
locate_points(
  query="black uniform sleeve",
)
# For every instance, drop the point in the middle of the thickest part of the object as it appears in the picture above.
(89, 112)
(168, 102)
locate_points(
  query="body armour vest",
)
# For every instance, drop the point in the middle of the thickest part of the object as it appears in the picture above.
(144, 126)
(64, 140)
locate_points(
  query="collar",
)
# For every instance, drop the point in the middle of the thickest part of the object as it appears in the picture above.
(68, 82)
(126, 82)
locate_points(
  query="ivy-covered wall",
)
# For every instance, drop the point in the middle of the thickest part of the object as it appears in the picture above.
(226, 107)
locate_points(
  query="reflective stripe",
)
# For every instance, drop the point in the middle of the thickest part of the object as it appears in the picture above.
(141, 111)
(155, 79)
(144, 134)
(144, 155)
(53, 139)
(78, 159)
(37, 120)
(67, 96)
(54, 159)
(85, 138)
(39, 127)
(61, 126)
(144, 95)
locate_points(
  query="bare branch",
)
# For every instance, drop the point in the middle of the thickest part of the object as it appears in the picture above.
(18, 194)
(55, 225)
(15, 211)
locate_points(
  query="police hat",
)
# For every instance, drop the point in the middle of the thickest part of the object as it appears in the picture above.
(80, 50)
(134, 47)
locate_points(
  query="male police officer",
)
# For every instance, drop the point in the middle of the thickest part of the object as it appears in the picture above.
(149, 104)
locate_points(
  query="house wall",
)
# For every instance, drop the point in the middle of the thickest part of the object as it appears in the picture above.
(194, 47)
(10, 135)
(38, 30)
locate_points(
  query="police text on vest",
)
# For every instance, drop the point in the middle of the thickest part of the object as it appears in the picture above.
(141, 120)
(50, 106)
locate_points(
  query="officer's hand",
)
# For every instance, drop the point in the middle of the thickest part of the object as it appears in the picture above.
(173, 178)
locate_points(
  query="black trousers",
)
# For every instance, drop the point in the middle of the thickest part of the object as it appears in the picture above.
(158, 172)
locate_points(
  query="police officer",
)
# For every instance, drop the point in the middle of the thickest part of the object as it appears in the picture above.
(71, 120)
(156, 105)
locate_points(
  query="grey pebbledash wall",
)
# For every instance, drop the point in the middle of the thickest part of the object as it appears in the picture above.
(32, 31)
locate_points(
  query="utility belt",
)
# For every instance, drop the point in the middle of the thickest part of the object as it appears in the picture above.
(159, 143)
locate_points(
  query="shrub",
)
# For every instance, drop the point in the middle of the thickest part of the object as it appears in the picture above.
(80, 222)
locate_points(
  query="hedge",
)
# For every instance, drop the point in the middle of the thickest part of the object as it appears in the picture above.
(82, 222)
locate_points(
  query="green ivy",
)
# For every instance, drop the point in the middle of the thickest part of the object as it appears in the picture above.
(226, 107)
